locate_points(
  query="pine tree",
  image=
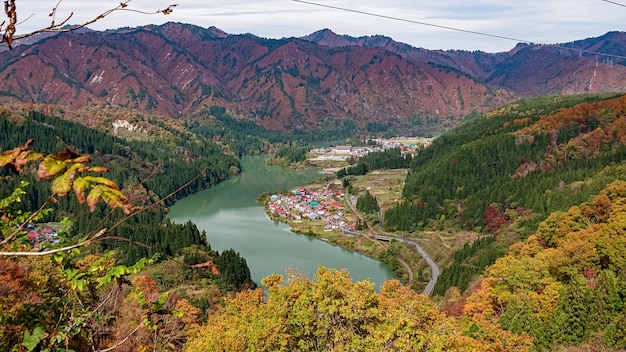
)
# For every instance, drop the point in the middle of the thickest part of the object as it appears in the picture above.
(572, 312)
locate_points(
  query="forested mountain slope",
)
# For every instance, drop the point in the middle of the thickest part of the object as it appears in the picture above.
(148, 170)
(566, 284)
(288, 84)
(538, 155)
(503, 172)
(527, 70)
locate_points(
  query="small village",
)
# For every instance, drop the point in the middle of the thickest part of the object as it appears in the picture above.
(324, 205)
(347, 153)
(327, 204)
(45, 233)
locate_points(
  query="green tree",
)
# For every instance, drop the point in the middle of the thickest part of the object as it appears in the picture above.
(367, 203)
(572, 313)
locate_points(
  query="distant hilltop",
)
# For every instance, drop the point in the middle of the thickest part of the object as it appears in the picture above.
(314, 82)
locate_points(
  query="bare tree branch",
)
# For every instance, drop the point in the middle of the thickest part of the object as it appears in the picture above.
(122, 341)
(22, 225)
(57, 250)
(10, 9)
(153, 205)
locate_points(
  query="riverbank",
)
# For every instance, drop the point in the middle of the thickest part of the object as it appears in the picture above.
(325, 211)
(232, 218)
(320, 210)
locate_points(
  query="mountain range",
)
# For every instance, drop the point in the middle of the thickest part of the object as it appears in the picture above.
(298, 83)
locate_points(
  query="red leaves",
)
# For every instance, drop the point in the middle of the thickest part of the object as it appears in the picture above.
(493, 218)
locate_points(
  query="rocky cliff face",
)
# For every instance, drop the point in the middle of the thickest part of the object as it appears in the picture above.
(176, 69)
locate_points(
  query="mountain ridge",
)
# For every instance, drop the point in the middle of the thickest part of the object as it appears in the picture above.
(177, 69)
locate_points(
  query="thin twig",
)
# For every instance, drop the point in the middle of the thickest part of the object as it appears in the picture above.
(124, 239)
(57, 250)
(121, 342)
(23, 224)
(54, 27)
(153, 205)
(101, 222)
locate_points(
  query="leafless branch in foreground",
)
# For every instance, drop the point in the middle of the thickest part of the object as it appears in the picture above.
(10, 9)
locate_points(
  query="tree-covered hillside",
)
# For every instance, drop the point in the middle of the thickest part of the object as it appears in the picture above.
(147, 170)
(513, 158)
(248, 138)
(566, 284)
(503, 172)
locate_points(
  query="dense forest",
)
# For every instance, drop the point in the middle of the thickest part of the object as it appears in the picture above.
(541, 181)
(504, 171)
(518, 157)
(566, 283)
(247, 138)
(388, 159)
(128, 163)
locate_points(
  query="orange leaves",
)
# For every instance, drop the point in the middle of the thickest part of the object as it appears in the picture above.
(332, 313)
(207, 265)
(169, 9)
(65, 169)
(16, 158)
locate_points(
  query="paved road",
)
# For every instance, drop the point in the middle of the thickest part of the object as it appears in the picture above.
(434, 268)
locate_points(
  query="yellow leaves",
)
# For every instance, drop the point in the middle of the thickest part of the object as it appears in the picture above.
(558, 224)
(332, 313)
(18, 157)
(65, 168)
(530, 248)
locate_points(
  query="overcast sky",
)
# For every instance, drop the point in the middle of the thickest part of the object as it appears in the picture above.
(538, 21)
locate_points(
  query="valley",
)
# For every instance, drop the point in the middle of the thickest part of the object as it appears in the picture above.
(149, 145)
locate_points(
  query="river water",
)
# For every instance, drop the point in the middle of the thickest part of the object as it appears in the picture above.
(232, 218)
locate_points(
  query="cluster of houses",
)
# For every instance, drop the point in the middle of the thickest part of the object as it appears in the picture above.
(40, 234)
(302, 204)
(345, 152)
(341, 152)
(406, 144)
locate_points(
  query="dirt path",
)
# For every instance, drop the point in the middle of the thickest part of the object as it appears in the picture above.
(408, 268)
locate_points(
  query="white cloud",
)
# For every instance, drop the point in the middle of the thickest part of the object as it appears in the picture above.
(540, 21)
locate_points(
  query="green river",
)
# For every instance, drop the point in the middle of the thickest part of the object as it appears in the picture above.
(232, 218)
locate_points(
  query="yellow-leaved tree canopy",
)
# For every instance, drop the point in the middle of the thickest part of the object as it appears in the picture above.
(332, 313)
(566, 284)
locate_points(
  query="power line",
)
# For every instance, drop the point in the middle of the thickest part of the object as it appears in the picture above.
(614, 3)
(460, 29)
(414, 22)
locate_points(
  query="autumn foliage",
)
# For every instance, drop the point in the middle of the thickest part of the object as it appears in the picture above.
(332, 313)
(566, 284)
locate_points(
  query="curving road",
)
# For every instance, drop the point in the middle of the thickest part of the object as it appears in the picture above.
(434, 268)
